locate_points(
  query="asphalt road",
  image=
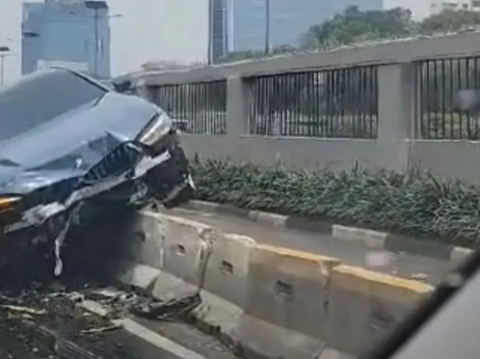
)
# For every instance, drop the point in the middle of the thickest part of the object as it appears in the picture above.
(401, 264)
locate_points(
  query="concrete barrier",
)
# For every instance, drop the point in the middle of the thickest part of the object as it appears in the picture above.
(286, 315)
(364, 305)
(225, 290)
(267, 301)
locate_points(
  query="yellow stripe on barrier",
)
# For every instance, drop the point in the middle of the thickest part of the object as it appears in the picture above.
(291, 260)
(294, 253)
(374, 283)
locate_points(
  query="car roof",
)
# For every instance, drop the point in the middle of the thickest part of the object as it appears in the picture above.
(87, 78)
(53, 70)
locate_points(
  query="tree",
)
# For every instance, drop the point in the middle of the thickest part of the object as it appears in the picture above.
(457, 79)
(354, 25)
(450, 20)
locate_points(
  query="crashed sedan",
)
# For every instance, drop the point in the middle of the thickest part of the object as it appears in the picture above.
(68, 146)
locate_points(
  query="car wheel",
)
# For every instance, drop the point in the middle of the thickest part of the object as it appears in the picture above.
(184, 196)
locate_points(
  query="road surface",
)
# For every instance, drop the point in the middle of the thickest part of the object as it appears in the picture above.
(401, 264)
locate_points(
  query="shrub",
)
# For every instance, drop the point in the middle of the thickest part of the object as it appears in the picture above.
(414, 203)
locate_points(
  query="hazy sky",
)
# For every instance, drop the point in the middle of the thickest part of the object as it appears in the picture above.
(420, 8)
(148, 29)
(135, 36)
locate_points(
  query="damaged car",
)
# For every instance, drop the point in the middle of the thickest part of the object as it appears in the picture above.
(70, 149)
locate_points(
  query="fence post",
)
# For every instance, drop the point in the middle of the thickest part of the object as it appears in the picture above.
(237, 106)
(396, 91)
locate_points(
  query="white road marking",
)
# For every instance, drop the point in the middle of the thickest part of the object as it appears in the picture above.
(156, 339)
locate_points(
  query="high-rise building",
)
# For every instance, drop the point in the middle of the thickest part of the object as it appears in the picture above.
(420, 9)
(287, 20)
(423, 8)
(219, 29)
(69, 33)
(437, 6)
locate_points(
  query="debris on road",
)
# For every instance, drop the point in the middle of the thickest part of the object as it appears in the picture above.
(419, 276)
(95, 307)
(63, 321)
(26, 310)
(101, 329)
(162, 310)
(55, 323)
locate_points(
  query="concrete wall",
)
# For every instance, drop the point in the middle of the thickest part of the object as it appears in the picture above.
(396, 147)
(459, 159)
(265, 300)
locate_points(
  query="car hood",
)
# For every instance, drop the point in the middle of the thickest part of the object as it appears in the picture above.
(71, 144)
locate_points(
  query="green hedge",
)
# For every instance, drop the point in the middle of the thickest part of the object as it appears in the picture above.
(411, 204)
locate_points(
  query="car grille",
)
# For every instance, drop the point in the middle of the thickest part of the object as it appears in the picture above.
(119, 161)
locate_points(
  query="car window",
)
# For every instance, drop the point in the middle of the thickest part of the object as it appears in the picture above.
(40, 97)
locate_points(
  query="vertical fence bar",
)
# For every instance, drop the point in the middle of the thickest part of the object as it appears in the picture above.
(448, 101)
(332, 103)
(196, 107)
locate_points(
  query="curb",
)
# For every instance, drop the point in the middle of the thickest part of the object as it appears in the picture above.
(192, 318)
(371, 238)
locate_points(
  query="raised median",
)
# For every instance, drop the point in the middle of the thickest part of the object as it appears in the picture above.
(263, 299)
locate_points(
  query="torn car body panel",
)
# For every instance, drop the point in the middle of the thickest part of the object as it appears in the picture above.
(71, 143)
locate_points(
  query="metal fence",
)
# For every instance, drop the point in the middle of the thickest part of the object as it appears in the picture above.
(196, 108)
(447, 104)
(334, 103)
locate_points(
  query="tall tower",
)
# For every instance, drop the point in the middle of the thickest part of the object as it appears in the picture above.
(69, 33)
(218, 18)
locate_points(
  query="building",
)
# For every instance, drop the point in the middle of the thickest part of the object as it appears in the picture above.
(71, 33)
(437, 6)
(425, 8)
(219, 29)
(420, 9)
(288, 20)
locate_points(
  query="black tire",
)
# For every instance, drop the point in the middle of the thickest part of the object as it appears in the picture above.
(183, 197)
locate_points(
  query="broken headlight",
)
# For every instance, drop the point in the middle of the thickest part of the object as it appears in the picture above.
(8, 204)
(156, 130)
(10, 210)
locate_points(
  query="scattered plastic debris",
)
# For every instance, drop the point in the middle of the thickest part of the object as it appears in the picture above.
(419, 276)
(101, 329)
(95, 307)
(27, 310)
(72, 217)
(53, 323)
(378, 258)
(171, 309)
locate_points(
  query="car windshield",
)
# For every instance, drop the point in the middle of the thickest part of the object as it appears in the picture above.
(42, 96)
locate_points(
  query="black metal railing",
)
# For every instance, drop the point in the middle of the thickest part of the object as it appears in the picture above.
(340, 103)
(197, 107)
(447, 102)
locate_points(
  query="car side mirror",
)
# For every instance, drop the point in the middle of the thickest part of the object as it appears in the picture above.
(123, 87)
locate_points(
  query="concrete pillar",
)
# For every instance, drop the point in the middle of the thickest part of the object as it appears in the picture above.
(396, 91)
(237, 106)
(148, 92)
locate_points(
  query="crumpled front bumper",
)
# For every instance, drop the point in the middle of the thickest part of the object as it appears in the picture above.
(170, 181)
(163, 177)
